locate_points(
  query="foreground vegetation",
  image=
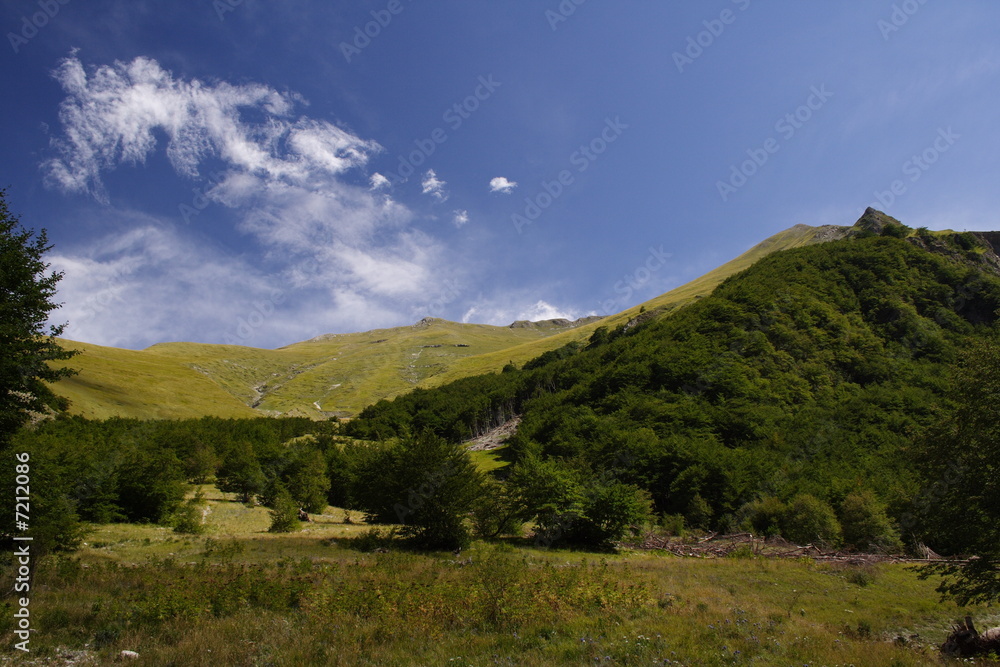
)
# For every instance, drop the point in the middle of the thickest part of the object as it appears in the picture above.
(239, 595)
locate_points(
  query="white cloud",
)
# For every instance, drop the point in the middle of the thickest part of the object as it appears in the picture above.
(349, 249)
(502, 185)
(434, 186)
(152, 285)
(461, 218)
(113, 116)
(148, 285)
(545, 311)
(502, 314)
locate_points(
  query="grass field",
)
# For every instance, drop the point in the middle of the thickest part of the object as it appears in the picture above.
(239, 595)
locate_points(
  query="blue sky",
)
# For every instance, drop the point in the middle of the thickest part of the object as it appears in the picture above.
(260, 173)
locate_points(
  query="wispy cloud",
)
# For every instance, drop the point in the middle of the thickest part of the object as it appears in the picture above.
(284, 175)
(461, 218)
(113, 114)
(434, 186)
(502, 185)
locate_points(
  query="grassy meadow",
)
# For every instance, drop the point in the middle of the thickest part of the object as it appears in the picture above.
(339, 592)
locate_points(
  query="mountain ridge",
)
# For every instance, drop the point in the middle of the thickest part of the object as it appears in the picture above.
(337, 374)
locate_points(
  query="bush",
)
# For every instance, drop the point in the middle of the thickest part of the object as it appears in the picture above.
(188, 517)
(763, 516)
(427, 484)
(699, 513)
(673, 524)
(866, 525)
(610, 513)
(285, 515)
(372, 539)
(498, 510)
(809, 519)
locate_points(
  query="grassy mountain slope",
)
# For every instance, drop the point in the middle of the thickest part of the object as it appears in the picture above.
(336, 374)
(127, 383)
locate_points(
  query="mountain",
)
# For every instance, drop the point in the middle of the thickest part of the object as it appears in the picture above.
(801, 381)
(340, 374)
(331, 375)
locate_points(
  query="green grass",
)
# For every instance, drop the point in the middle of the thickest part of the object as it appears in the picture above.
(125, 383)
(241, 596)
(334, 375)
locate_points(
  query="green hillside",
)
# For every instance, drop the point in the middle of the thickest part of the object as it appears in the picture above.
(127, 383)
(332, 375)
(665, 304)
(340, 374)
(799, 385)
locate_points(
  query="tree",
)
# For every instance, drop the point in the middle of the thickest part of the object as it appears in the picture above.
(26, 347)
(809, 519)
(306, 479)
(427, 484)
(241, 473)
(867, 525)
(960, 507)
(285, 513)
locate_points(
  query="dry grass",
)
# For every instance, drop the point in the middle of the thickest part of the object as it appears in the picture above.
(241, 596)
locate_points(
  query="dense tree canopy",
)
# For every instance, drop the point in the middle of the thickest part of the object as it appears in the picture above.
(799, 385)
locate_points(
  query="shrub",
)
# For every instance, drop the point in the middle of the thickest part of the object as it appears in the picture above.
(699, 513)
(611, 512)
(285, 514)
(427, 484)
(866, 524)
(809, 519)
(763, 516)
(498, 510)
(188, 517)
